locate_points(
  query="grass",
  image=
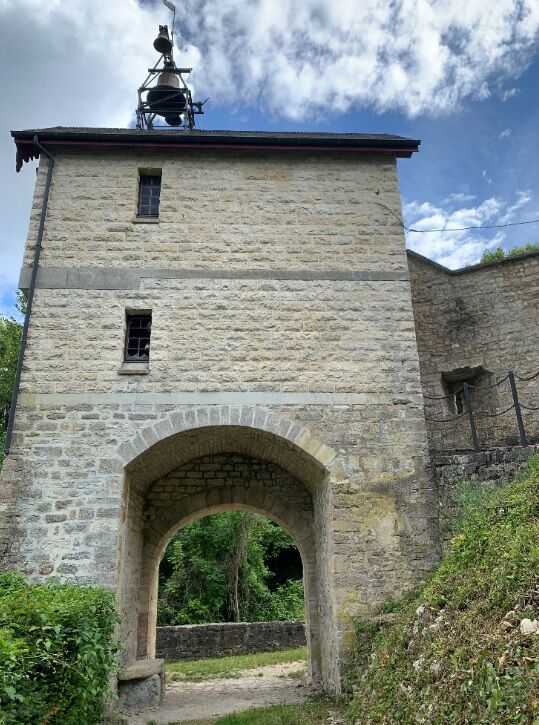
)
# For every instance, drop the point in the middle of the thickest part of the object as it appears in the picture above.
(314, 712)
(196, 670)
(461, 660)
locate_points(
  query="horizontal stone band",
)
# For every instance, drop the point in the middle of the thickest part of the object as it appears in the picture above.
(216, 398)
(112, 278)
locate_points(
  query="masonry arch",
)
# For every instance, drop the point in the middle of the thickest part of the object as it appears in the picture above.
(205, 461)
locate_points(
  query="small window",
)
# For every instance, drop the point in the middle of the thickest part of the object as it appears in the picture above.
(137, 338)
(148, 195)
(458, 401)
(481, 393)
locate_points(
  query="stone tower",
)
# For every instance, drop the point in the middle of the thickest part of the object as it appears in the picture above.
(221, 320)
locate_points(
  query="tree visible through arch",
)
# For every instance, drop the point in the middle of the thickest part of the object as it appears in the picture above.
(231, 566)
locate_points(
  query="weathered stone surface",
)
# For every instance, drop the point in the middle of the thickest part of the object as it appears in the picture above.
(196, 641)
(486, 318)
(310, 379)
(140, 693)
(529, 627)
(141, 669)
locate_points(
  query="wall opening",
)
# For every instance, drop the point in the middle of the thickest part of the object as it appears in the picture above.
(224, 569)
(233, 566)
(190, 475)
(480, 391)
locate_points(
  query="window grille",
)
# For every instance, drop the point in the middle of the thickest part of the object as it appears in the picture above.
(137, 339)
(148, 196)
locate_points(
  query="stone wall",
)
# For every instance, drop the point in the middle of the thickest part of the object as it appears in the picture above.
(197, 641)
(477, 323)
(487, 469)
(282, 332)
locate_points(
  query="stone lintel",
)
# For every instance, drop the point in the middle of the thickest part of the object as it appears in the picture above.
(217, 398)
(116, 278)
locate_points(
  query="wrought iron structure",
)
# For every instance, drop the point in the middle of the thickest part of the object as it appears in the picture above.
(164, 93)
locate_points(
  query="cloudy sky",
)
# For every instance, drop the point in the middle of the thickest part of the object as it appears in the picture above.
(462, 75)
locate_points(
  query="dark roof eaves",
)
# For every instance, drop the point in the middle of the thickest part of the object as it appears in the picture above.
(271, 136)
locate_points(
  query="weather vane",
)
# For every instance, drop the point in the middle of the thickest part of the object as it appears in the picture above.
(170, 98)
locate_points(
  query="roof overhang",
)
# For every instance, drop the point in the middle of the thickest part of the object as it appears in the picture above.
(346, 143)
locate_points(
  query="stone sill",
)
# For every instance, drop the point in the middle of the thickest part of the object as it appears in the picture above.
(141, 669)
(134, 368)
(145, 220)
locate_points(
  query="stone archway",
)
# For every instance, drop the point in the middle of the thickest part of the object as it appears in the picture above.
(213, 459)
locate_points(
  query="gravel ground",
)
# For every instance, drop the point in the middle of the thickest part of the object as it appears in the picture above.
(260, 687)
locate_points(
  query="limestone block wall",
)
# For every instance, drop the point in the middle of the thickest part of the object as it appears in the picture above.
(265, 211)
(282, 331)
(197, 641)
(480, 317)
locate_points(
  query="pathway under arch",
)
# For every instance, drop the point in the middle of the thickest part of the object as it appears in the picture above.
(279, 470)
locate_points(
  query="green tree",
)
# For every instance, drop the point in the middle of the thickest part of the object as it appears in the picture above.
(496, 254)
(10, 338)
(221, 568)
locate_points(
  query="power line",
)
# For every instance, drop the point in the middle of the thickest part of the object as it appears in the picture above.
(464, 229)
(455, 229)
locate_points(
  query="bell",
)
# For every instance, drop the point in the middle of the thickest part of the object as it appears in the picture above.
(163, 43)
(167, 99)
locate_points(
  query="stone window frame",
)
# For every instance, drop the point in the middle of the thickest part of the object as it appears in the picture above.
(452, 385)
(129, 365)
(147, 218)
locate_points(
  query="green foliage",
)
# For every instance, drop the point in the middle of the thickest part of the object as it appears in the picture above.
(10, 337)
(218, 569)
(56, 652)
(460, 664)
(499, 253)
(223, 667)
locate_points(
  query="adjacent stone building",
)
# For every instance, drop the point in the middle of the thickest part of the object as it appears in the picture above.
(224, 320)
(474, 325)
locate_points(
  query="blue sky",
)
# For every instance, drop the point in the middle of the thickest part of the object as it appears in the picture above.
(460, 75)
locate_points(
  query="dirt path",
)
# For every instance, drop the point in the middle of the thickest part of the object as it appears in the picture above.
(260, 687)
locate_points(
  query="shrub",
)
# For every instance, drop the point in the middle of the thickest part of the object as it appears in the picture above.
(456, 653)
(56, 652)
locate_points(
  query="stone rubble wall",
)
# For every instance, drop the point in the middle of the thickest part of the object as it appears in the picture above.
(198, 641)
(487, 469)
(485, 317)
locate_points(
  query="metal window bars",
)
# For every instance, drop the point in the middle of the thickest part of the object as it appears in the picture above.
(137, 339)
(149, 194)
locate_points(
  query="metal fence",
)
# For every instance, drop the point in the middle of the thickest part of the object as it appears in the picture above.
(472, 411)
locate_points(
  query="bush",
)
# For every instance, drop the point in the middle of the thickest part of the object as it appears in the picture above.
(456, 653)
(56, 652)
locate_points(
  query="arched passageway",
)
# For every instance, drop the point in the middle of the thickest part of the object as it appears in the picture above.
(229, 568)
(205, 470)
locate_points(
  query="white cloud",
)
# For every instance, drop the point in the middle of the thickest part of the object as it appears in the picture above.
(509, 93)
(458, 198)
(314, 57)
(505, 134)
(65, 63)
(74, 62)
(459, 248)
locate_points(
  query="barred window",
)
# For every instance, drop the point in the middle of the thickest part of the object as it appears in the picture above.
(148, 195)
(137, 338)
